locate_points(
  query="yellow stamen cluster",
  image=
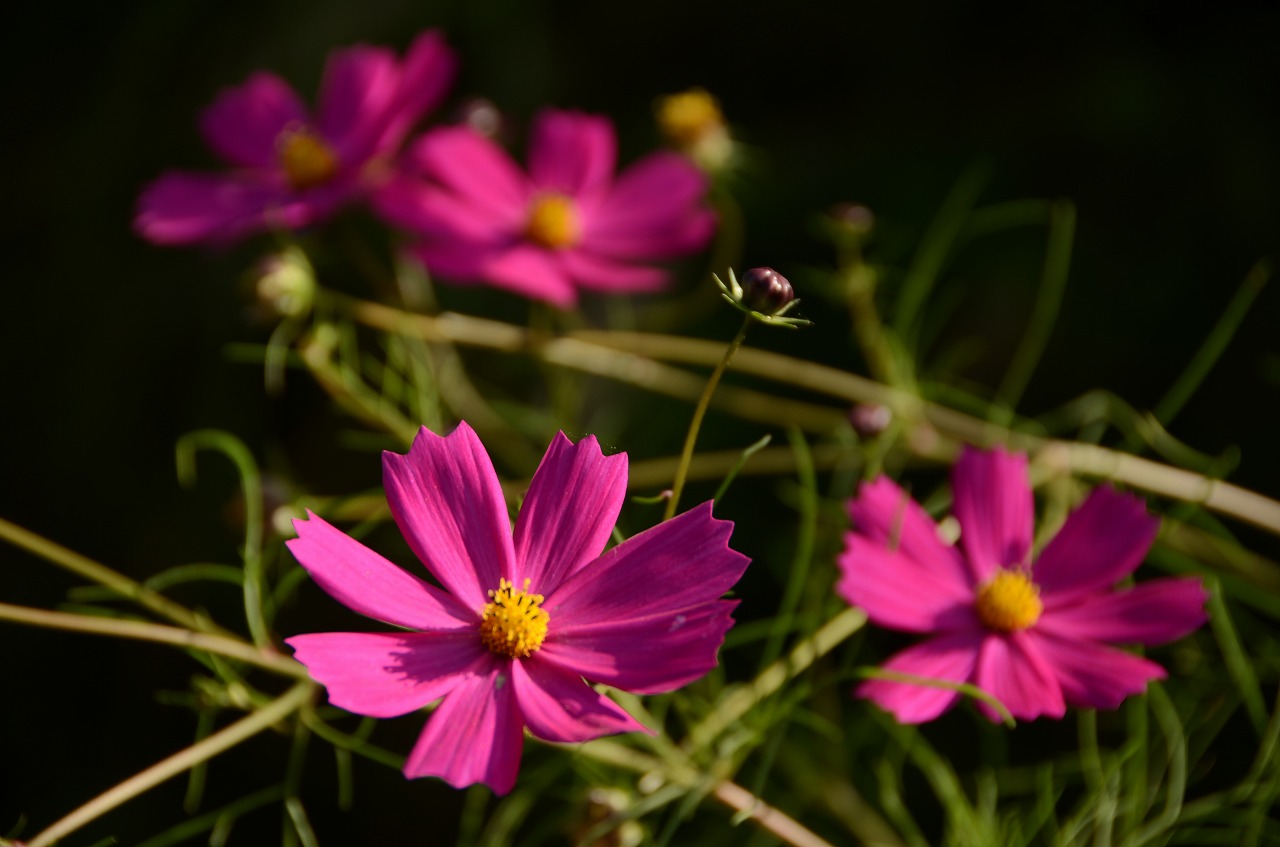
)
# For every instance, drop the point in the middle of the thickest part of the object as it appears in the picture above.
(307, 160)
(514, 623)
(553, 222)
(1009, 601)
(688, 117)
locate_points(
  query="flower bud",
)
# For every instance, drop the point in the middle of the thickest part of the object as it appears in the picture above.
(870, 419)
(766, 291)
(284, 284)
(853, 218)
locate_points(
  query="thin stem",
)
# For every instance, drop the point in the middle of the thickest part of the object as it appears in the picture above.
(1084, 459)
(686, 455)
(742, 700)
(782, 825)
(726, 791)
(219, 742)
(103, 575)
(232, 648)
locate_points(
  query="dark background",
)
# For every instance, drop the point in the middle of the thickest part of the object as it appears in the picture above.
(1160, 126)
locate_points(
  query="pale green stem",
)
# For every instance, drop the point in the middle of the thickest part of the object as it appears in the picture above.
(737, 703)
(686, 455)
(101, 574)
(232, 648)
(726, 791)
(578, 349)
(219, 742)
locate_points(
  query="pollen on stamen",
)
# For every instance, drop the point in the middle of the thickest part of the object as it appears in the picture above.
(305, 157)
(1009, 601)
(553, 222)
(513, 623)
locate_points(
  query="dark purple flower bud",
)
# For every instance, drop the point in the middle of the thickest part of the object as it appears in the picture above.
(765, 290)
(870, 419)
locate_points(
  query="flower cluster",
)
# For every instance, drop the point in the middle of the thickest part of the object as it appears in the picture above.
(568, 224)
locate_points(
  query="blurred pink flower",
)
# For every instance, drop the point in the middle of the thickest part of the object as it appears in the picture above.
(291, 169)
(567, 224)
(644, 616)
(1034, 636)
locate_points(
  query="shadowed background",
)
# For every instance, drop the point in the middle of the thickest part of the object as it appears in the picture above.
(1158, 127)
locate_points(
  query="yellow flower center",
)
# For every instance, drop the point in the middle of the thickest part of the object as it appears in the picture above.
(514, 623)
(307, 160)
(553, 222)
(1009, 601)
(687, 117)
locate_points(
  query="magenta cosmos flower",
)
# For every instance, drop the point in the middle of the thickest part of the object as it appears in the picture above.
(525, 615)
(1033, 635)
(567, 224)
(293, 169)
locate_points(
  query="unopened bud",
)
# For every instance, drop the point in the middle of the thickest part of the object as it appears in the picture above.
(870, 419)
(854, 218)
(483, 116)
(766, 291)
(285, 284)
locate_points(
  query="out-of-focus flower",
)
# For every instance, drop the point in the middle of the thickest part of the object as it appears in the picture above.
(692, 123)
(1034, 636)
(292, 168)
(525, 615)
(567, 224)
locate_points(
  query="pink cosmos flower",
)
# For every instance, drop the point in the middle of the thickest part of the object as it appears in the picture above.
(1033, 635)
(525, 615)
(293, 169)
(567, 224)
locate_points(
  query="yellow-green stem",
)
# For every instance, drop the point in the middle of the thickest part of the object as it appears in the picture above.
(686, 455)
(103, 575)
(232, 648)
(219, 742)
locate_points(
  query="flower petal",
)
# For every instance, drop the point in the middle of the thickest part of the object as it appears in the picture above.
(446, 499)
(900, 593)
(558, 706)
(475, 735)
(645, 615)
(191, 208)
(1101, 542)
(385, 674)
(572, 154)
(477, 170)
(602, 274)
(886, 514)
(568, 515)
(948, 657)
(243, 123)
(357, 93)
(653, 211)
(526, 270)
(993, 504)
(1092, 675)
(1011, 669)
(644, 655)
(1151, 613)
(427, 71)
(436, 213)
(367, 583)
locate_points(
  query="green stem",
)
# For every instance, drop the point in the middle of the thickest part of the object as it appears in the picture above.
(686, 455)
(740, 701)
(219, 742)
(232, 648)
(101, 574)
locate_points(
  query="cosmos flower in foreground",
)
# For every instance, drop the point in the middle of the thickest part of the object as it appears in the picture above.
(1033, 635)
(293, 169)
(567, 224)
(524, 616)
